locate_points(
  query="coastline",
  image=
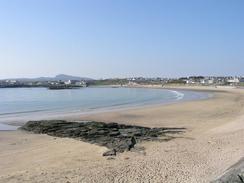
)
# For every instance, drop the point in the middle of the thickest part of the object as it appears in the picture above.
(146, 115)
(188, 95)
(212, 143)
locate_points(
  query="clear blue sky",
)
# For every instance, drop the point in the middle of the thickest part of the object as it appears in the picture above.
(121, 38)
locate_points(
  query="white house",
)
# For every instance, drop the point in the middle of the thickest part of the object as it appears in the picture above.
(75, 82)
(233, 80)
(69, 82)
(80, 83)
(207, 81)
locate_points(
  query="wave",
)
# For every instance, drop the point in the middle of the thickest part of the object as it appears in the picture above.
(22, 112)
(179, 95)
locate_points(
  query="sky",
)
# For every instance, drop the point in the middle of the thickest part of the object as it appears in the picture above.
(121, 38)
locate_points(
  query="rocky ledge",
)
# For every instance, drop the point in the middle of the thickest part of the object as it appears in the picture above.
(116, 137)
(234, 174)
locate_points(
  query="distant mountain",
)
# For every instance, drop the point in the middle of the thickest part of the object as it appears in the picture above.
(68, 77)
(61, 77)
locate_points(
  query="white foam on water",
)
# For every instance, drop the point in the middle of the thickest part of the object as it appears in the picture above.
(179, 95)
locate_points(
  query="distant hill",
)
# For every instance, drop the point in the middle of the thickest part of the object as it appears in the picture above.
(68, 77)
(61, 77)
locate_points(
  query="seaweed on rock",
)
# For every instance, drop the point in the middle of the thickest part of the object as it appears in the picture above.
(117, 137)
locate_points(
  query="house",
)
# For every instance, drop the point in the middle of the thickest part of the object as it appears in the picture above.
(11, 81)
(234, 80)
(211, 81)
(69, 82)
(204, 81)
(207, 81)
(75, 83)
(80, 83)
(190, 81)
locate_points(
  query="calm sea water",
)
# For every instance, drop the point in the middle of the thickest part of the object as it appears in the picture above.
(28, 103)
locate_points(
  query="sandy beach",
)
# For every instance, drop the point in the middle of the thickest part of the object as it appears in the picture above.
(212, 143)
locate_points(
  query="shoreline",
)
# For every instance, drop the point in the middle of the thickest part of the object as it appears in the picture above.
(18, 119)
(212, 143)
(110, 116)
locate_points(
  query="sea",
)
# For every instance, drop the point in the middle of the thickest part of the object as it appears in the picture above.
(23, 104)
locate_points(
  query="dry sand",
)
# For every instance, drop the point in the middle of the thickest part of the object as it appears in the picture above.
(213, 142)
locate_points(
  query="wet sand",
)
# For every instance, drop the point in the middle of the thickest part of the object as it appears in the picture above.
(213, 142)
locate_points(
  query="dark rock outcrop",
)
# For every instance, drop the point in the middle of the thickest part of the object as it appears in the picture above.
(234, 174)
(118, 137)
(110, 153)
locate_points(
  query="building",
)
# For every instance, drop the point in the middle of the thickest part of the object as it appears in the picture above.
(233, 80)
(190, 81)
(75, 83)
(207, 81)
(80, 83)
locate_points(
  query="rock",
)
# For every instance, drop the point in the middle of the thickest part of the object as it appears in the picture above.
(118, 137)
(241, 177)
(114, 133)
(112, 125)
(234, 174)
(110, 153)
(132, 142)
